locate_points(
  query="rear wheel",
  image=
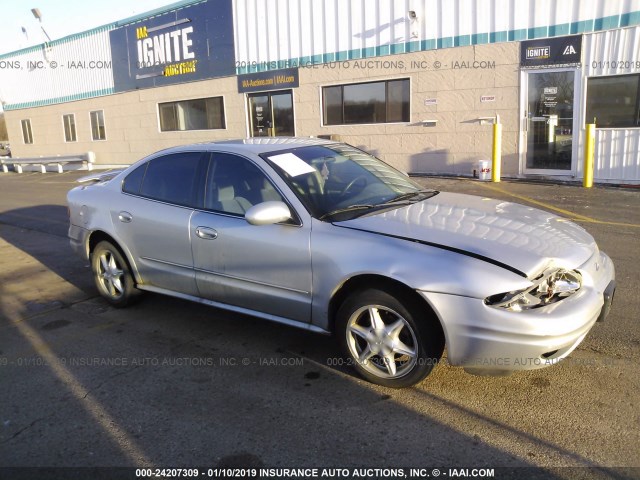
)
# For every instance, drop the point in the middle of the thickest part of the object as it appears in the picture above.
(390, 339)
(112, 275)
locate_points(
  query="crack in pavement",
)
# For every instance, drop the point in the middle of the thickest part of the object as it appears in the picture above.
(27, 428)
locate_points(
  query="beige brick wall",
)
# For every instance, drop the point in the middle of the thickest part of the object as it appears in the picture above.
(131, 123)
(451, 146)
(457, 140)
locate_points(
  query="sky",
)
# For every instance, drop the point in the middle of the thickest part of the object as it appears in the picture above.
(62, 17)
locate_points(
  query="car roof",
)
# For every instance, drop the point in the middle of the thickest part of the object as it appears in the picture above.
(255, 145)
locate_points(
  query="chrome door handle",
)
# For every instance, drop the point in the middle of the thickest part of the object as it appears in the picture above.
(125, 217)
(206, 233)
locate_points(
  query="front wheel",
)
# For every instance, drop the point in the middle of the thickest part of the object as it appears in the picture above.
(390, 339)
(112, 275)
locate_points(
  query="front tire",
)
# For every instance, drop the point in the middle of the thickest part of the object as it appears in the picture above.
(389, 338)
(112, 275)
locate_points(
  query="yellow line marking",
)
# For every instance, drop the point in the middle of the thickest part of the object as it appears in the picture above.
(566, 213)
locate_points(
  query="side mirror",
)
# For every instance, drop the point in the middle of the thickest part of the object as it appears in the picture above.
(268, 213)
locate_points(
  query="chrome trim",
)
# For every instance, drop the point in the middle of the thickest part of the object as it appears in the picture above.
(233, 308)
(264, 284)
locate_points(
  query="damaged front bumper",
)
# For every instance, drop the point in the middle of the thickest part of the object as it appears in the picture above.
(495, 341)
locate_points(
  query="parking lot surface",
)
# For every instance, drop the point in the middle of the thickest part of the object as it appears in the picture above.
(167, 383)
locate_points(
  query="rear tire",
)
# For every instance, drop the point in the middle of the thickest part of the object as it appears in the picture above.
(390, 339)
(112, 275)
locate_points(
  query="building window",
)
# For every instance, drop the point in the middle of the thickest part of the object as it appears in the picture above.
(97, 125)
(69, 122)
(614, 101)
(197, 114)
(362, 103)
(27, 134)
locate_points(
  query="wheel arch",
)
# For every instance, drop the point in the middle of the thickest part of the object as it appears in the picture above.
(98, 236)
(390, 285)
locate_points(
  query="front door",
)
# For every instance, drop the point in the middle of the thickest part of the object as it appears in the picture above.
(262, 268)
(271, 114)
(548, 136)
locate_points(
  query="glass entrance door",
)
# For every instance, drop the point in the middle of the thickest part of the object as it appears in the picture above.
(549, 121)
(271, 114)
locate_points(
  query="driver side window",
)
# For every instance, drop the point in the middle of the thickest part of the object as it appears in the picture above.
(234, 185)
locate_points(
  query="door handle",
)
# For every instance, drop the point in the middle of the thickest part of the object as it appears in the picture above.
(206, 233)
(125, 217)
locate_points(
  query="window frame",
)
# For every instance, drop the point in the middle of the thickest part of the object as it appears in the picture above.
(104, 126)
(175, 102)
(64, 128)
(637, 105)
(23, 122)
(386, 82)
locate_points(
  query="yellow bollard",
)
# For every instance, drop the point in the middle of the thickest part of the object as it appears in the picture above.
(496, 153)
(589, 150)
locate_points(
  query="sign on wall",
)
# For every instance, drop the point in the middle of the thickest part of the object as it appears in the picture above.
(191, 43)
(551, 51)
(264, 81)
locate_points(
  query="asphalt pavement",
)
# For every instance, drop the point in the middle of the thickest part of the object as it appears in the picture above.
(167, 383)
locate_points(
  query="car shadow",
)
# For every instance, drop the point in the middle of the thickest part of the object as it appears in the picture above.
(50, 246)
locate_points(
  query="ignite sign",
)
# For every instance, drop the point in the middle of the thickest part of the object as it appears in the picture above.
(538, 53)
(190, 43)
(166, 47)
(551, 51)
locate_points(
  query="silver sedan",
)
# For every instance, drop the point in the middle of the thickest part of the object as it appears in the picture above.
(323, 236)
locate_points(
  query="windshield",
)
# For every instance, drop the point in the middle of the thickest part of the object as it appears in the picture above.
(340, 182)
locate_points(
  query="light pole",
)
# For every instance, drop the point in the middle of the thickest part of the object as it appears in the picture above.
(36, 13)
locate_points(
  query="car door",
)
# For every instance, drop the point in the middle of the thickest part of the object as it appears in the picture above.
(263, 268)
(152, 219)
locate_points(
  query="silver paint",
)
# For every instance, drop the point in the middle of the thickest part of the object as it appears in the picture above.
(454, 250)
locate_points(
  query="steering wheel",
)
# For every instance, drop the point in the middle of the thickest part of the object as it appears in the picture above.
(350, 185)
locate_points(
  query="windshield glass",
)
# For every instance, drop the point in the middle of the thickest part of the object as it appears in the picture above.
(340, 182)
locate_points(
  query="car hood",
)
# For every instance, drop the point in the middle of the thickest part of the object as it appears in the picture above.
(520, 237)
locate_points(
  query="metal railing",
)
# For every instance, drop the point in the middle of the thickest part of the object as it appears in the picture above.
(59, 161)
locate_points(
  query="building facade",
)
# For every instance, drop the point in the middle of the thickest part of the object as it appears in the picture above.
(416, 82)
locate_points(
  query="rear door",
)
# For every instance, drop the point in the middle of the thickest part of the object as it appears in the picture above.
(153, 219)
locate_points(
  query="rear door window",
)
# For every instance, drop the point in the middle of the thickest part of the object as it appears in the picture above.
(173, 178)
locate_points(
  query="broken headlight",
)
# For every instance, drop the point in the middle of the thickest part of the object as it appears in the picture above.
(550, 287)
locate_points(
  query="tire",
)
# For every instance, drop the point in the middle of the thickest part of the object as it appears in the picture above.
(112, 275)
(388, 338)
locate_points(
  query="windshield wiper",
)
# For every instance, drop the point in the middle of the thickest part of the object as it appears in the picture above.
(407, 196)
(350, 208)
(400, 200)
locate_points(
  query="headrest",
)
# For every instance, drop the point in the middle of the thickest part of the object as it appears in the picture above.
(226, 193)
